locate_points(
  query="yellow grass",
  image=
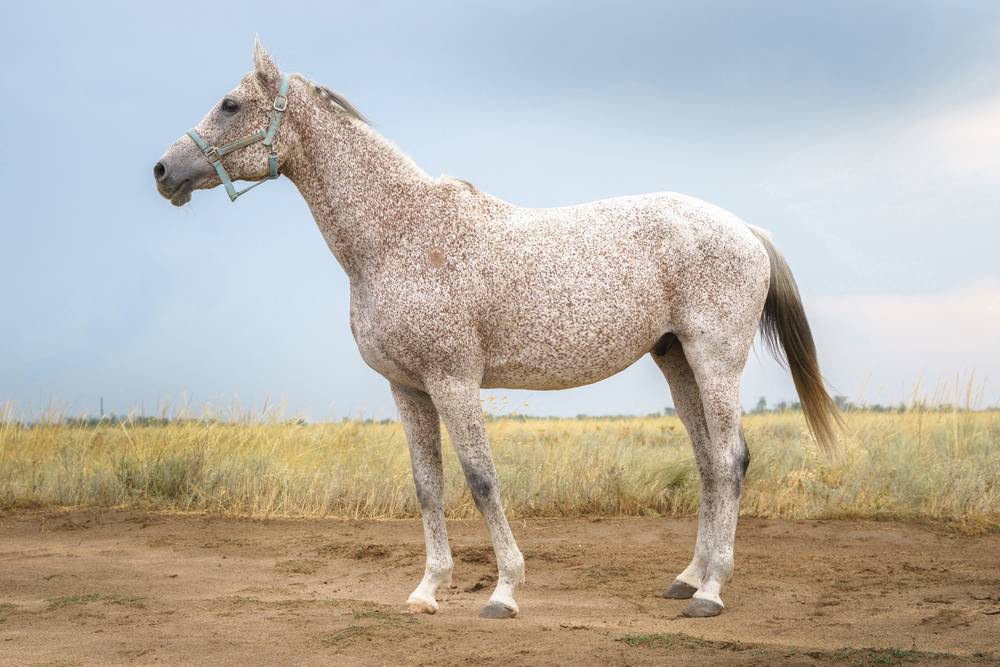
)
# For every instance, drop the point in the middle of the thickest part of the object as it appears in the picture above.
(925, 466)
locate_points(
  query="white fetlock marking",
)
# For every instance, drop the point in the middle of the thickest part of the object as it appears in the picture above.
(692, 574)
(509, 577)
(425, 592)
(689, 579)
(504, 594)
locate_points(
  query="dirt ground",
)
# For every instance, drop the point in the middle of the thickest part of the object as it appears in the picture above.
(116, 587)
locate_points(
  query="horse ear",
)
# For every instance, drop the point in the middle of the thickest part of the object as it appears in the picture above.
(265, 67)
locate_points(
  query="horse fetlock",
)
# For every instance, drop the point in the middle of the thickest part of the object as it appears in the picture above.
(439, 572)
(694, 573)
(514, 571)
(422, 600)
(501, 604)
(721, 567)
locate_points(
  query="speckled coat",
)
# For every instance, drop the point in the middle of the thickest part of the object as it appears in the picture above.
(453, 289)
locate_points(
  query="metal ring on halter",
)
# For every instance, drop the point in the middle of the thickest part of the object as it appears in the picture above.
(215, 154)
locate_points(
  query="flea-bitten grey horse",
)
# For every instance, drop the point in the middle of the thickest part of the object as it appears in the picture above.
(453, 290)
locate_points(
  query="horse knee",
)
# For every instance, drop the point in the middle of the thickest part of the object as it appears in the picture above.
(429, 493)
(731, 471)
(481, 486)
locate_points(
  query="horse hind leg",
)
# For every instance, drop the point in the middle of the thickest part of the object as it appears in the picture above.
(716, 362)
(669, 356)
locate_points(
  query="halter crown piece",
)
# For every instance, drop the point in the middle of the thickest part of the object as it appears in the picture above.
(215, 154)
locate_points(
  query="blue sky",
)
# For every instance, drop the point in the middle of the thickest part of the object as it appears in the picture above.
(865, 136)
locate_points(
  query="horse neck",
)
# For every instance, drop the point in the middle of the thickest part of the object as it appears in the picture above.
(360, 188)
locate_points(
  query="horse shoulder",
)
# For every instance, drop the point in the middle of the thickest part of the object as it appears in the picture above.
(408, 324)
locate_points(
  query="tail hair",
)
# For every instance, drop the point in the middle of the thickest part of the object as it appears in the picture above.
(786, 333)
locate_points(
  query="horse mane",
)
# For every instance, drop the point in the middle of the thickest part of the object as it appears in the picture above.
(334, 100)
(460, 182)
(338, 103)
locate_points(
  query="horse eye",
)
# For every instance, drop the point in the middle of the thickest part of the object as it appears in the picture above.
(230, 106)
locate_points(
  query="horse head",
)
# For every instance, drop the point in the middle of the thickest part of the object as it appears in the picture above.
(238, 139)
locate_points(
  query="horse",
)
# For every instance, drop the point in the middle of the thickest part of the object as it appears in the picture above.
(453, 290)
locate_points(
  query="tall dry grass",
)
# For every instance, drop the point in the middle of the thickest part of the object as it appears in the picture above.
(926, 466)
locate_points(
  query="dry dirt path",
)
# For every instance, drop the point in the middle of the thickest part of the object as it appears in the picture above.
(115, 587)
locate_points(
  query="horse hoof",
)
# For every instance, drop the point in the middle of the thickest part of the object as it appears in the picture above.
(497, 610)
(420, 607)
(701, 608)
(679, 591)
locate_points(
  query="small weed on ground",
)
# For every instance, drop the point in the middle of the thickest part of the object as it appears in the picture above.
(88, 598)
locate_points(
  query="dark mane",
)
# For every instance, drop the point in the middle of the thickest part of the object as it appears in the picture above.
(337, 101)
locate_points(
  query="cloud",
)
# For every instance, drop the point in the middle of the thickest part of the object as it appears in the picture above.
(906, 152)
(884, 347)
(960, 143)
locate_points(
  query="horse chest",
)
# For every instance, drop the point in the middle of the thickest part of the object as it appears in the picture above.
(402, 333)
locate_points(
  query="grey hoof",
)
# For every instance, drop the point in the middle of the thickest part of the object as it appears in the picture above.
(699, 608)
(497, 610)
(679, 591)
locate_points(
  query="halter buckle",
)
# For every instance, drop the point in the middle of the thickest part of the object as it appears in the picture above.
(280, 103)
(212, 154)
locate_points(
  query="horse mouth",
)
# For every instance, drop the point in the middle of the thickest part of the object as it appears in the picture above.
(181, 194)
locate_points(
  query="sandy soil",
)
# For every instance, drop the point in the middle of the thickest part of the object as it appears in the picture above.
(115, 587)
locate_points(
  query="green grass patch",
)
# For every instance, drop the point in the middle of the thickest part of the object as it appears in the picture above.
(662, 640)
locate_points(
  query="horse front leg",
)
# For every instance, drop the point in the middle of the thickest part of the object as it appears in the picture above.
(459, 406)
(423, 434)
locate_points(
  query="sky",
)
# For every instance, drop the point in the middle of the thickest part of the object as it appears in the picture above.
(864, 136)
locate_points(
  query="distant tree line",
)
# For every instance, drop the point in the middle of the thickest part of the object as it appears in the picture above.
(846, 405)
(762, 407)
(132, 420)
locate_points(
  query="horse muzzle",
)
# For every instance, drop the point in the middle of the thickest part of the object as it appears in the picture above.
(176, 179)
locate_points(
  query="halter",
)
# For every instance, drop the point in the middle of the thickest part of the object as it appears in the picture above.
(215, 154)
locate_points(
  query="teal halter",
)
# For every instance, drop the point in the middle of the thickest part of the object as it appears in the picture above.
(267, 137)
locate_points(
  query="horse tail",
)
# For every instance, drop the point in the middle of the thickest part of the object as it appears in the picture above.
(786, 332)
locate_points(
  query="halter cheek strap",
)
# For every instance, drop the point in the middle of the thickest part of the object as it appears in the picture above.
(215, 154)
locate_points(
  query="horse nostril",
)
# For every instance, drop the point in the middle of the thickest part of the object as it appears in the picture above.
(159, 171)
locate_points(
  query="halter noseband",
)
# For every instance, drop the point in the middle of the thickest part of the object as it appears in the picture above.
(215, 154)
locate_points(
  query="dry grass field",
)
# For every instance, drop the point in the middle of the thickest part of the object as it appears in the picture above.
(927, 466)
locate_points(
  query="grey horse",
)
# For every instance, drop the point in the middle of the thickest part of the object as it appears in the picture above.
(453, 290)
